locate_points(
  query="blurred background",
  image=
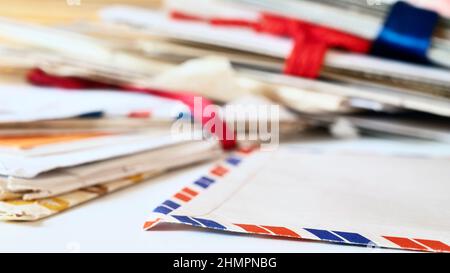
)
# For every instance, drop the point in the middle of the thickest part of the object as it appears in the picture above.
(60, 11)
(55, 12)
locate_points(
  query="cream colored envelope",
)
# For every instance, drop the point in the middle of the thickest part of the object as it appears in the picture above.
(21, 210)
(69, 179)
(392, 201)
(31, 166)
(15, 208)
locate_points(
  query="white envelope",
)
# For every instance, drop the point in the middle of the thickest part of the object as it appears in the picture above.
(70, 179)
(248, 40)
(394, 201)
(28, 167)
(27, 103)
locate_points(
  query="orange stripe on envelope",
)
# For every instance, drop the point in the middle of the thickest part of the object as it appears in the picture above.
(190, 191)
(405, 243)
(282, 231)
(28, 142)
(150, 224)
(253, 229)
(434, 245)
(219, 171)
(182, 197)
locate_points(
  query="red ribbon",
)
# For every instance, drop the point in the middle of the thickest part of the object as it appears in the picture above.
(227, 138)
(311, 41)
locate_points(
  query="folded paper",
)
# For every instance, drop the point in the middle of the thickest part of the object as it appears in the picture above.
(68, 179)
(57, 192)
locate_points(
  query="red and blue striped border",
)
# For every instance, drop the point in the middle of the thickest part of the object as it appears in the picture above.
(203, 183)
(167, 208)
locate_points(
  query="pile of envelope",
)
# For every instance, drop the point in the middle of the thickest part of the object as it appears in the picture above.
(59, 149)
(152, 48)
(101, 98)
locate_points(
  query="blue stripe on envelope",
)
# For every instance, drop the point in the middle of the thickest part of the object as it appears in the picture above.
(95, 114)
(233, 160)
(324, 235)
(186, 220)
(354, 237)
(204, 182)
(209, 223)
(162, 209)
(171, 204)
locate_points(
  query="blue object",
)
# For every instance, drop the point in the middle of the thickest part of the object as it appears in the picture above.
(171, 204)
(204, 182)
(406, 34)
(186, 220)
(209, 223)
(354, 238)
(163, 210)
(325, 235)
(184, 116)
(96, 114)
(234, 160)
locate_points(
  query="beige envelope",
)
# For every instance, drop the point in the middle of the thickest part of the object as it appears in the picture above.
(392, 201)
(18, 209)
(69, 179)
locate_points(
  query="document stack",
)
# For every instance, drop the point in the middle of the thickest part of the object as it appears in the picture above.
(329, 120)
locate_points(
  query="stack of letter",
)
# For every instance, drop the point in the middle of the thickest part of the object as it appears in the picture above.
(59, 149)
(103, 102)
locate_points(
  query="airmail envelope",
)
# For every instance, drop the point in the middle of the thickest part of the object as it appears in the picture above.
(59, 155)
(375, 200)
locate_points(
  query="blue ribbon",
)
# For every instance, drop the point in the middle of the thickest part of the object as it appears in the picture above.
(406, 34)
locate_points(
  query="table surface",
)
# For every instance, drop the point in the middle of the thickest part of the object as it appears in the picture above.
(114, 223)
